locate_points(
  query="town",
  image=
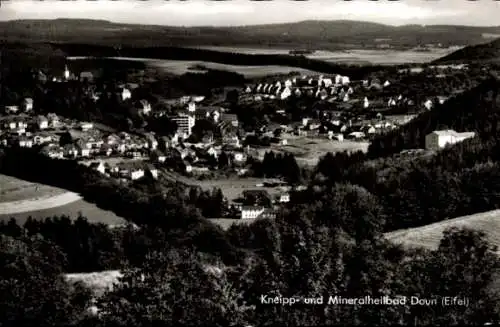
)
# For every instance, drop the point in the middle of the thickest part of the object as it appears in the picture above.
(206, 141)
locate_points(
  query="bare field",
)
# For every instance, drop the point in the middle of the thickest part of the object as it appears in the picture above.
(429, 236)
(307, 150)
(15, 189)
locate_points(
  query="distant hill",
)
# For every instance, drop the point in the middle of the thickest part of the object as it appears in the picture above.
(305, 34)
(489, 52)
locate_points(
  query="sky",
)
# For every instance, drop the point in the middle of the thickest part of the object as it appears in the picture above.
(246, 12)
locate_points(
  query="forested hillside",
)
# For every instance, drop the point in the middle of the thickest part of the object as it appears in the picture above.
(475, 110)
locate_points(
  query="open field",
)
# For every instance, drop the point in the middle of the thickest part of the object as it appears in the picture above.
(15, 189)
(179, 67)
(307, 150)
(429, 236)
(355, 56)
(231, 187)
(98, 282)
(87, 209)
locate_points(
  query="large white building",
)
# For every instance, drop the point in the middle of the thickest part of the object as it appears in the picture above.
(439, 139)
(251, 212)
(185, 124)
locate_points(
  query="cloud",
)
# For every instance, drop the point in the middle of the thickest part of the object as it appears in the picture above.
(370, 10)
(246, 12)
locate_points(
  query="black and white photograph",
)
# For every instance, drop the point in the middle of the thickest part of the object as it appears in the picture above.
(249, 163)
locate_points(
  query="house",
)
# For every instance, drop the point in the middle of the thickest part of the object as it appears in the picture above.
(387, 83)
(42, 138)
(152, 143)
(191, 107)
(212, 152)
(98, 166)
(153, 171)
(284, 198)
(357, 135)
(199, 169)
(230, 118)
(185, 124)
(366, 103)
(53, 151)
(428, 104)
(88, 76)
(130, 170)
(439, 139)
(286, 93)
(186, 166)
(368, 129)
(84, 152)
(211, 113)
(85, 126)
(11, 109)
(66, 72)
(42, 122)
(143, 107)
(28, 104)
(25, 142)
(239, 156)
(251, 212)
(70, 151)
(126, 94)
(53, 120)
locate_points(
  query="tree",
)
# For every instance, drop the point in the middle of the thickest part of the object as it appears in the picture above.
(32, 289)
(66, 138)
(174, 289)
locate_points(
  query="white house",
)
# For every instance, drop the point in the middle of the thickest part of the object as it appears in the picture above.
(286, 93)
(86, 126)
(25, 142)
(126, 94)
(11, 109)
(98, 166)
(387, 83)
(66, 72)
(28, 104)
(144, 107)
(366, 103)
(345, 80)
(251, 212)
(439, 139)
(239, 156)
(284, 198)
(42, 122)
(191, 107)
(428, 104)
